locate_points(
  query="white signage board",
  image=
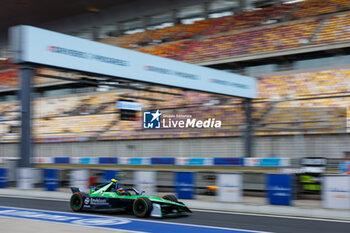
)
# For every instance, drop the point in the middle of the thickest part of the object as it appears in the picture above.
(36, 45)
(229, 187)
(145, 181)
(336, 191)
(80, 179)
(25, 178)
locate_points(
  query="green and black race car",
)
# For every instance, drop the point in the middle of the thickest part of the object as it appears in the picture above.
(109, 197)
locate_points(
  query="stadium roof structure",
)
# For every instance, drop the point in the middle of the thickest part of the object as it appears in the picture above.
(35, 47)
(47, 48)
(38, 12)
(89, 15)
(34, 12)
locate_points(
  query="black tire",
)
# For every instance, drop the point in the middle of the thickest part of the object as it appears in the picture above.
(170, 197)
(142, 207)
(77, 202)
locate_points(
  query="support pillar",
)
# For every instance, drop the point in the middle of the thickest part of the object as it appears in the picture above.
(174, 17)
(278, 2)
(27, 74)
(248, 134)
(206, 10)
(242, 5)
(145, 22)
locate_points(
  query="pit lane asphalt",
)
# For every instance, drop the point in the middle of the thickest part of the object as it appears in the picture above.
(228, 220)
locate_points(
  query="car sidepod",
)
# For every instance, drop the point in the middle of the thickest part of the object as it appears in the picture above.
(107, 203)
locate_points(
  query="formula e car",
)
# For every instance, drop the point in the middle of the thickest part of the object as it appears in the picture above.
(109, 197)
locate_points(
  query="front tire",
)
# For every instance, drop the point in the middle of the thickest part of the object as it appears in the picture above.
(76, 202)
(142, 207)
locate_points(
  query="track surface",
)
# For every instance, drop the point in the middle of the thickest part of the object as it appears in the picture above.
(229, 220)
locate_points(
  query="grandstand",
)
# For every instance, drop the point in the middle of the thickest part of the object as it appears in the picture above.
(278, 44)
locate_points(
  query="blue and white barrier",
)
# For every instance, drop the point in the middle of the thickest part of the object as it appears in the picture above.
(185, 185)
(279, 189)
(3, 178)
(229, 187)
(169, 161)
(80, 179)
(336, 191)
(109, 174)
(145, 181)
(25, 178)
(51, 179)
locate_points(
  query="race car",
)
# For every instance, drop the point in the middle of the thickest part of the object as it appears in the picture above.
(109, 197)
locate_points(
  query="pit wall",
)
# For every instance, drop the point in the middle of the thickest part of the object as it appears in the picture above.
(329, 146)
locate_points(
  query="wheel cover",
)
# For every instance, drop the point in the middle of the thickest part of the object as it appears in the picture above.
(139, 207)
(76, 202)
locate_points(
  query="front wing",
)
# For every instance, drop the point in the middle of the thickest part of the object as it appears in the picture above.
(169, 210)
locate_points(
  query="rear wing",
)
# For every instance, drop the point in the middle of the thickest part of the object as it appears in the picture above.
(75, 190)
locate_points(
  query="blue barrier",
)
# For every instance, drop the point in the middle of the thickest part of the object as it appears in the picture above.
(279, 189)
(185, 187)
(229, 161)
(162, 161)
(3, 177)
(51, 179)
(108, 160)
(109, 174)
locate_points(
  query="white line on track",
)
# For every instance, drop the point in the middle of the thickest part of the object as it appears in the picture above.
(271, 215)
(36, 198)
(210, 211)
(144, 220)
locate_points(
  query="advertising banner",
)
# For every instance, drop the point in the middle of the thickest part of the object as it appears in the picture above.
(163, 161)
(185, 161)
(51, 179)
(279, 189)
(145, 181)
(134, 161)
(185, 185)
(229, 161)
(108, 160)
(267, 162)
(61, 160)
(229, 187)
(25, 178)
(80, 179)
(65, 51)
(336, 191)
(43, 160)
(3, 177)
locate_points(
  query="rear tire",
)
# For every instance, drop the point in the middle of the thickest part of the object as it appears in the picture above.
(142, 207)
(77, 202)
(171, 197)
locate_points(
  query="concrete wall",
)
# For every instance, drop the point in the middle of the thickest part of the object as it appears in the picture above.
(331, 146)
